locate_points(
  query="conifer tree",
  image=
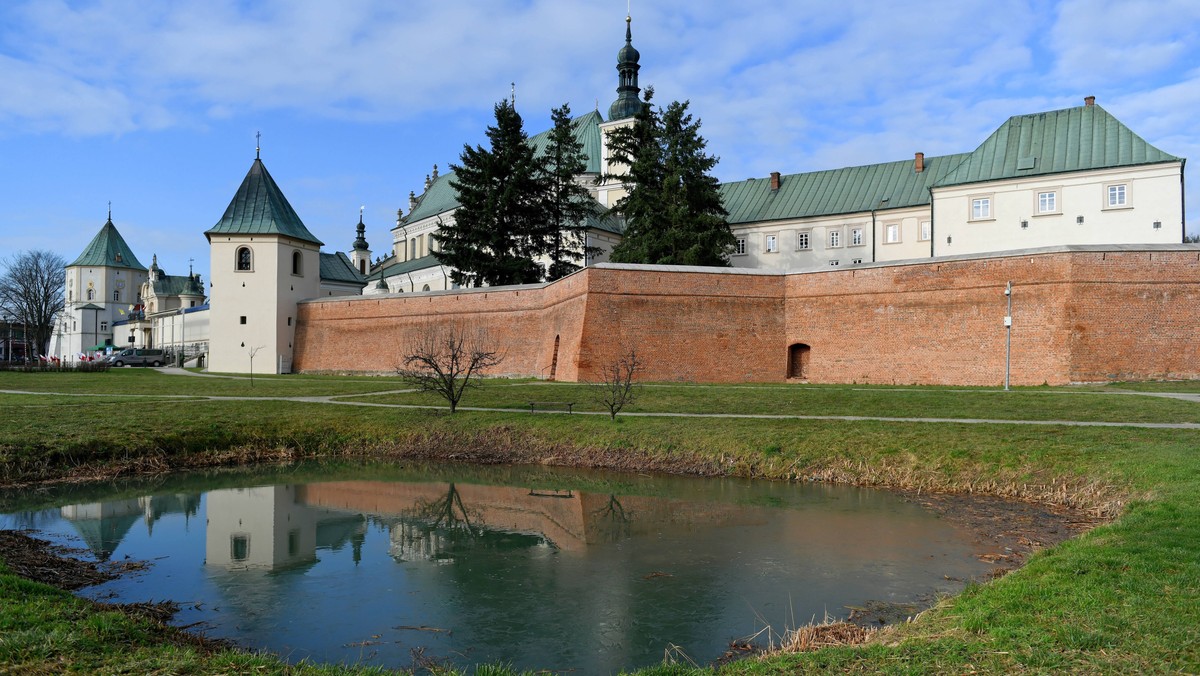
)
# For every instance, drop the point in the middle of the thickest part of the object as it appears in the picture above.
(498, 229)
(567, 202)
(673, 211)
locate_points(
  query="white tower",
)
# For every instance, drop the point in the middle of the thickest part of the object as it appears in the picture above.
(263, 261)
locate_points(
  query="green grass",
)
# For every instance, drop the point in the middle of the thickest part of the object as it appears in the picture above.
(892, 402)
(1123, 598)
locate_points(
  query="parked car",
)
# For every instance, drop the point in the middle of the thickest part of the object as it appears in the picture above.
(137, 357)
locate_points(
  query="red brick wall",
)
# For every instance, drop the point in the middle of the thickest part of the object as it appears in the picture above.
(1077, 316)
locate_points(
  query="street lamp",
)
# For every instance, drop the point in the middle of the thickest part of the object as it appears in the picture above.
(1008, 336)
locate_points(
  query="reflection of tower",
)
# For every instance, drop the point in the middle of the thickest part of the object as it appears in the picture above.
(103, 525)
(261, 527)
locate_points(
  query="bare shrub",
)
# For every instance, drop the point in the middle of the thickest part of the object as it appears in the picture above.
(448, 361)
(617, 385)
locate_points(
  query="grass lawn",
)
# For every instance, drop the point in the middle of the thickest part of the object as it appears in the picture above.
(1124, 597)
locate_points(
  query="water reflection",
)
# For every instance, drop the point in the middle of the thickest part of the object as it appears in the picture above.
(542, 576)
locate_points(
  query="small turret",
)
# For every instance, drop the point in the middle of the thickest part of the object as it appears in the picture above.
(627, 104)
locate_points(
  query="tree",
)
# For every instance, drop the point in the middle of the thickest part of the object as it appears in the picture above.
(1193, 238)
(31, 292)
(567, 203)
(448, 361)
(673, 209)
(252, 351)
(616, 387)
(499, 226)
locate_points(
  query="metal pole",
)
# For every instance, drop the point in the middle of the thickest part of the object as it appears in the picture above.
(1008, 336)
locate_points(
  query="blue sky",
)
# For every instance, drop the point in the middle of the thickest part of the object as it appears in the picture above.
(155, 106)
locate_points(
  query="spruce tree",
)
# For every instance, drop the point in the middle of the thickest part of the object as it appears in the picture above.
(567, 203)
(673, 211)
(499, 226)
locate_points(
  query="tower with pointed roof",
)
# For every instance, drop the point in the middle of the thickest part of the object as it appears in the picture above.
(102, 285)
(263, 261)
(627, 104)
(360, 251)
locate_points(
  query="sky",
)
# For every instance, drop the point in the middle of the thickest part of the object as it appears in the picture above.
(155, 106)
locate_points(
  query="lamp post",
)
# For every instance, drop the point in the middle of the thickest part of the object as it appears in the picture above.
(1008, 335)
(8, 339)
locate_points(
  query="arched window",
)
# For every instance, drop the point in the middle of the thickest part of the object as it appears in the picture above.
(297, 263)
(425, 288)
(91, 294)
(362, 267)
(243, 258)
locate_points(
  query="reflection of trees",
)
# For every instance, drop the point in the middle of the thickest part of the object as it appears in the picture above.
(611, 521)
(447, 512)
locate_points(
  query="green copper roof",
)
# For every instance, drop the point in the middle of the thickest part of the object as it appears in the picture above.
(336, 267)
(1074, 139)
(835, 191)
(587, 132)
(259, 208)
(413, 265)
(108, 249)
(178, 285)
(441, 197)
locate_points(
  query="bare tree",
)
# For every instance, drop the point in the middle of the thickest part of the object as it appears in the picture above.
(448, 361)
(617, 386)
(252, 351)
(31, 292)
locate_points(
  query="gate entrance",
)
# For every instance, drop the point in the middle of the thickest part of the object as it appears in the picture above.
(798, 356)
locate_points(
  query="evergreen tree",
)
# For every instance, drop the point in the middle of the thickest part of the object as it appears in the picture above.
(498, 229)
(567, 202)
(673, 211)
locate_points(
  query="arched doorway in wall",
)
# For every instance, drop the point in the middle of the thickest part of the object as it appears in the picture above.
(798, 359)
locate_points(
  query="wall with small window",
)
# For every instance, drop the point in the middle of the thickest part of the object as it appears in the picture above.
(1111, 206)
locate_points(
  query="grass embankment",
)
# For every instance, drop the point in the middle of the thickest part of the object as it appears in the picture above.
(1124, 597)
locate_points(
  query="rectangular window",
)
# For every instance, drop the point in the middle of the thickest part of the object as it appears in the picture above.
(834, 264)
(803, 240)
(892, 233)
(771, 243)
(243, 320)
(1047, 202)
(981, 208)
(116, 295)
(239, 547)
(835, 239)
(740, 247)
(856, 237)
(857, 261)
(103, 326)
(926, 231)
(1118, 195)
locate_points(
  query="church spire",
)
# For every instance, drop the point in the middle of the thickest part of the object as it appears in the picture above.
(627, 103)
(360, 242)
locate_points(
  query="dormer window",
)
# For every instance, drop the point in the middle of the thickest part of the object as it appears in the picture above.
(118, 256)
(244, 259)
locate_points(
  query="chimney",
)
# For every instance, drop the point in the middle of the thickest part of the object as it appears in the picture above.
(1089, 100)
(774, 180)
(919, 162)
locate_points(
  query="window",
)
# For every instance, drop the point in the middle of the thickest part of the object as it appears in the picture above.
(91, 294)
(740, 247)
(243, 259)
(425, 288)
(771, 243)
(103, 326)
(926, 231)
(1118, 195)
(293, 542)
(834, 264)
(835, 238)
(981, 208)
(239, 547)
(1047, 202)
(289, 321)
(297, 263)
(857, 261)
(116, 296)
(243, 320)
(891, 233)
(803, 240)
(118, 257)
(856, 237)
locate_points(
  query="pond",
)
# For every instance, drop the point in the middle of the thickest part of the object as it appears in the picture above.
(575, 570)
